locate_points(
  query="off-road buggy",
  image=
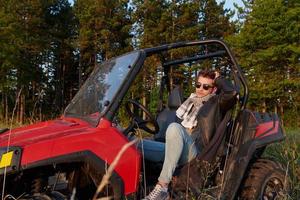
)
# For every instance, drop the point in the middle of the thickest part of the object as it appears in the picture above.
(66, 158)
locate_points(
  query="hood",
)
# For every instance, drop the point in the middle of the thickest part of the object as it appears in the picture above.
(42, 131)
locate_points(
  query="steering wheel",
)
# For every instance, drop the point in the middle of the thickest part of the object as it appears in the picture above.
(149, 124)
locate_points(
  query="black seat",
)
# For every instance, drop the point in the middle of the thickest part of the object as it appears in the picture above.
(168, 115)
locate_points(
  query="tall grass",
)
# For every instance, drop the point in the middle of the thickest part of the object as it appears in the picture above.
(4, 125)
(288, 153)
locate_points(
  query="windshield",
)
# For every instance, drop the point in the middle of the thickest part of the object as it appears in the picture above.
(100, 88)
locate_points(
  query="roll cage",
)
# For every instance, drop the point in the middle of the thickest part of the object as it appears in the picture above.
(207, 49)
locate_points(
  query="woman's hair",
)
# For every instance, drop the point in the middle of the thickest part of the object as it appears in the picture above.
(207, 74)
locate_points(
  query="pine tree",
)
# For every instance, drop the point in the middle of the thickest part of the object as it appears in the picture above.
(61, 25)
(160, 22)
(269, 50)
(35, 37)
(104, 30)
(215, 20)
(24, 37)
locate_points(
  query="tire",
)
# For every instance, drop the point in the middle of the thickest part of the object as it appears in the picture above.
(266, 180)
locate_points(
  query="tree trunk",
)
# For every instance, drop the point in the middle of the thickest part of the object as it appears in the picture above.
(22, 108)
(264, 106)
(20, 100)
(63, 87)
(144, 100)
(281, 112)
(40, 112)
(58, 88)
(2, 107)
(79, 73)
(18, 109)
(6, 109)
(281, 109)
(144, 104)
(171, 78)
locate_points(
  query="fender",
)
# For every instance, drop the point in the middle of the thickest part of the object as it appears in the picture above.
(48, 141)
(253, 132)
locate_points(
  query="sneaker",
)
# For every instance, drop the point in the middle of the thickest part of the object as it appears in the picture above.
(158, 193)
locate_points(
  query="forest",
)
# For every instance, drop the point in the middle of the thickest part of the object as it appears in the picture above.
(49, 47)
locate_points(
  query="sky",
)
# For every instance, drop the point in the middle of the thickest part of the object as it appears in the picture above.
(228, 3)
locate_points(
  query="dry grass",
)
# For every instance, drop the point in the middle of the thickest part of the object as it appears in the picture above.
(288, 153)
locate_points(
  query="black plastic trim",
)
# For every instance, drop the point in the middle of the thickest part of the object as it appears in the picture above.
(16, 159)
(120, 95)
(86, 157)
(195, 58)
(245, 146)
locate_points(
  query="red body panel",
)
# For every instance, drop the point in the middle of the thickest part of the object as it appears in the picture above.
(266, 129)
(65, 136)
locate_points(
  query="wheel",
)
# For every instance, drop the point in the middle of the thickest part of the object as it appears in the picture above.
(266, 180)
(149, 125)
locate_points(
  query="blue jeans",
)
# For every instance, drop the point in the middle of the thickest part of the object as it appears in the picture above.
(178, 150)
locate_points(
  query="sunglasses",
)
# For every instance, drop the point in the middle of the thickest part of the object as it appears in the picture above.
(205, 86)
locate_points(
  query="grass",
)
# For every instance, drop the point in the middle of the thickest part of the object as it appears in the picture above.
(288, 153)
(14, 125)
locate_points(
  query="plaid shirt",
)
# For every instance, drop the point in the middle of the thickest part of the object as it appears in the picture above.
(189, 109)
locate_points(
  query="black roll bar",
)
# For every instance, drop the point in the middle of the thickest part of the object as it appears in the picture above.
(236, 68)
(195, 58)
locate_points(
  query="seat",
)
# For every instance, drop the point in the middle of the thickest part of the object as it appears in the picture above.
(168, 115)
